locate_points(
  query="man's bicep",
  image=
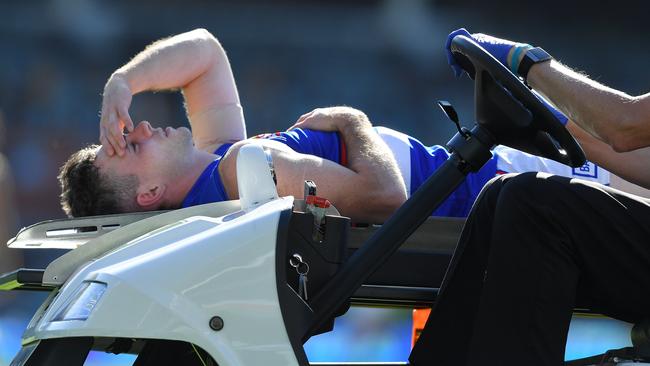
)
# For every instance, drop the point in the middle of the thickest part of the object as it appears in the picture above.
(334, 182)
(354, 195)
(358, 196)
(212, 103)
(292, 169)
(218, 125)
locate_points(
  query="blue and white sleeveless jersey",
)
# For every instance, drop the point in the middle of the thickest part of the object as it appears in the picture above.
(209, 187)
(415, 160)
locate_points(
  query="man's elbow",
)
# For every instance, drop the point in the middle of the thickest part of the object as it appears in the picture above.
(630, 128)
(620, 143)
(395, 199)
(201, 33)
(372, 207)
(633, 135)
(386, 203)
(204, 36)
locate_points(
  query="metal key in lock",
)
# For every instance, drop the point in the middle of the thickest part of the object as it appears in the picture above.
(302, 268)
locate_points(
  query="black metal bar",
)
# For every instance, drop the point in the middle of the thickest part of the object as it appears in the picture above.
(61, 351)
(386, 240)
(23, 279)
(382, 295)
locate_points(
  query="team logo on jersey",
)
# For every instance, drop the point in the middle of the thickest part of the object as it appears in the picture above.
(589, 170)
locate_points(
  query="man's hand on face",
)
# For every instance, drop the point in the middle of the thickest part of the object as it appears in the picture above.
(330, 119)
(115, 115)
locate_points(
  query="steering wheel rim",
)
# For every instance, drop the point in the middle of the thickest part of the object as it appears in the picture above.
(510, 111)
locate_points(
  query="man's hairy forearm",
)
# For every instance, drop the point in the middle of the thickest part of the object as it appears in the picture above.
(620, 120)
(630, 165)
(172, 62)
(369, 156)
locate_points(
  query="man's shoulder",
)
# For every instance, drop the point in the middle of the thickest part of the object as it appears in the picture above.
(266, 143)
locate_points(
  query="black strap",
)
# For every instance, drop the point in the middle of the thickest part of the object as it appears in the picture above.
(533, 56)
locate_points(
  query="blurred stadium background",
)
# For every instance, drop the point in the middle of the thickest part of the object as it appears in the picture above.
(385, 57)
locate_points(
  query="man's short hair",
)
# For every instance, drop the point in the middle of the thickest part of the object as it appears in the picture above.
(86, 191)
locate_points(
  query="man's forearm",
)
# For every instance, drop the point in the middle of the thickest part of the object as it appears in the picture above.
(369, 156)
(173, 62)
(369, 187)
(631, 165)
(620, 120)
(196, 63)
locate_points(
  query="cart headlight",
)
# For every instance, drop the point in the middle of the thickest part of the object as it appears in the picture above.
(79, 306)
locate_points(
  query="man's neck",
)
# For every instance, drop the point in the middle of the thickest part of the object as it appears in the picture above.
(196, 164)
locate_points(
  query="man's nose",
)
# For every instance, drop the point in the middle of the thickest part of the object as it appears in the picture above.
(141, 132)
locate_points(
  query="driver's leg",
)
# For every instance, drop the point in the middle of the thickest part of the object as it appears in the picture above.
(548, 239)
(446, 336)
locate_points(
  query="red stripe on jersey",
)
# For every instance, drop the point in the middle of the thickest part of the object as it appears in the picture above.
(344, 152)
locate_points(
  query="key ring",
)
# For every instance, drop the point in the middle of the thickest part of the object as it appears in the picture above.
(304, 266)
(295, 260)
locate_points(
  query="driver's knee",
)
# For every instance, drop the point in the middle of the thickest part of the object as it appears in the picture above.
(520, 192)
(490, 193)
(532, 191)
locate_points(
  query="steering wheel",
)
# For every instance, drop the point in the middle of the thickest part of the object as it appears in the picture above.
(510, 111)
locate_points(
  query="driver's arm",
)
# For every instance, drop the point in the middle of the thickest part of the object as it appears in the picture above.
(631, 166)
(194, 62)
(368, 190)
(618, 119)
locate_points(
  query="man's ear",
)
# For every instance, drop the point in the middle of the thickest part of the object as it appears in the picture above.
(150, 197)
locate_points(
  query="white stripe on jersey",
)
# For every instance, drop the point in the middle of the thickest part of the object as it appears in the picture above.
(514, 161)
(401, 147)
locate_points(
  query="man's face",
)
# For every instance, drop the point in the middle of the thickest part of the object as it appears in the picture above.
(153, 155)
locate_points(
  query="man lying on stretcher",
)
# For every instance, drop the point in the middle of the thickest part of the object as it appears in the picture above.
(365, 171)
